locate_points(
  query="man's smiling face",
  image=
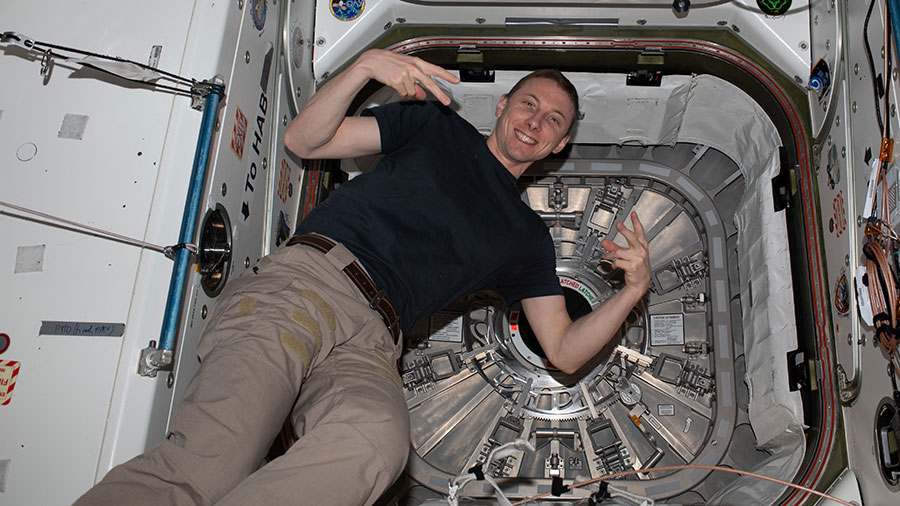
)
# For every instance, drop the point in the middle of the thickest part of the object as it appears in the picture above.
(533, 122)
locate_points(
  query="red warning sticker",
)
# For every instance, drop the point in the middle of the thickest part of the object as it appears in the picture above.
(9, 371)
(239, 133)
(285, 187)
(840, 214)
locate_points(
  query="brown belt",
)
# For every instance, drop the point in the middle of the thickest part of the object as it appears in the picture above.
(377, 298)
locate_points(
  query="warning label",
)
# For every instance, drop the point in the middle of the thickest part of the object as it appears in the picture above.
(666, 329)
(446, 326)
(9, 371)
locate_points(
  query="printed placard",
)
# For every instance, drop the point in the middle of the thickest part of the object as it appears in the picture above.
(446, 326)
(9, 371)
(667, 329)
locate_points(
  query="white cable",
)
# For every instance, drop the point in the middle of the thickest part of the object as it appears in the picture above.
(500, 452)
(166, 250)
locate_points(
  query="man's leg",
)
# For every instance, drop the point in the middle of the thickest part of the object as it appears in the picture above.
(264, 334)
(354, 426)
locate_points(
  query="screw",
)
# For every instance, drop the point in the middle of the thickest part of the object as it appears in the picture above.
(798, 80)
(844, 152)
(850, 339)
(859, 221)
(722, 22)
(856, 69)
(224, 189)
(853, 107)
(827, 45)
(265, 163)
(642, 21)
(893, 110)
(299, 91)
(829, 140)
(325, 75)
(803, 45)
(170, 380)
(895, 73)
(882, 52)
(401, 20)
(247, 262)
(204, 311)
(480, 21)
(388, 25)
(216, 128)
(320, 41)
(284, 120)
(240, 4)
(837, 121)
(247, 57)
(736, 28)
(862, 340)
(847, 260)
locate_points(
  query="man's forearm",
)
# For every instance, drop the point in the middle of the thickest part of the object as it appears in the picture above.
(586, 336)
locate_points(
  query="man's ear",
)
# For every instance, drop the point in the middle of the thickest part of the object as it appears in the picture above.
(561, 145)
(501, 105)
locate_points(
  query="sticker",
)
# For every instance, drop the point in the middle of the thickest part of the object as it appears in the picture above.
(88, 329)
(347, 10)
(578, 287)
(831, 225)
(666, 409)
(73, 126)
(4, 342)
(258, 13)
(297, 47)
(833, 167)
(840, 214)
(446, 326)
(30, 259)
(285, 187)
(687, 425)
(239, 133)
(667, 329)
(9, 371)
(842, 294)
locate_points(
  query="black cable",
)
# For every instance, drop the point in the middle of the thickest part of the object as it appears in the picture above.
(170, 75)
(872, 66)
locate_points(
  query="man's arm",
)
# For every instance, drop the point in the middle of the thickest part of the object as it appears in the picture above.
(569, 344)
(322, 131)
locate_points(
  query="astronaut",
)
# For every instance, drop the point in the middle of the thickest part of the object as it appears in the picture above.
(314, 331)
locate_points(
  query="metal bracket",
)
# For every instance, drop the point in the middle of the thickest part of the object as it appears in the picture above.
(17, 39)
(154, 360)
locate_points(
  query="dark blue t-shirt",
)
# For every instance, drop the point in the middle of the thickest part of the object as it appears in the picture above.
(439, 217)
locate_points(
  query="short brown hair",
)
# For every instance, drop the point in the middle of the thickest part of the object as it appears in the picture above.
(560, 80)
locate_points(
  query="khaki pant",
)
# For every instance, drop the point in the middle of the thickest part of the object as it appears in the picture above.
(293, 320)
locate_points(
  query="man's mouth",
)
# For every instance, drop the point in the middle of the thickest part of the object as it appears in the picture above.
(524, 138)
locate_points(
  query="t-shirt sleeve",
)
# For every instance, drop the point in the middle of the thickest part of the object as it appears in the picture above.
(398, 122)
(536, 278)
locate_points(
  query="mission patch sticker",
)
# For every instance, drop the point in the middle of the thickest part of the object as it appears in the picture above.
(347, 10)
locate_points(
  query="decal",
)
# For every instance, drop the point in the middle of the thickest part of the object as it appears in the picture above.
(842, 294)
(285, 187)
(258, 13)
(774, 7)
(257, 144)
(578, 287)
(666, 329)
(284, 231)
(91, 329)
(9, 371)
(239, 133)
(820, 79)
(297, 47)
(840, 214)
(347, 10)
(446, 326)
(833, 168)
(4, 342)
